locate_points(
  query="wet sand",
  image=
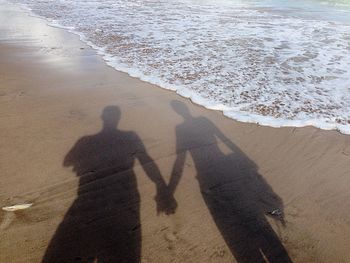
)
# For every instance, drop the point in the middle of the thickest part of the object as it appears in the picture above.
(98, 153)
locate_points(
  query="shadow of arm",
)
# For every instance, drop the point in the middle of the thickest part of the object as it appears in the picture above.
(151, 169)
(226, 140)
(165, 202)
(233, 147)
(177, 172)
(73, 154)
(178, 166)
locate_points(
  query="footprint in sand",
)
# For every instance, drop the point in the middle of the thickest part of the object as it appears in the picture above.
(170, 237)
(292, 211)
(218, 252)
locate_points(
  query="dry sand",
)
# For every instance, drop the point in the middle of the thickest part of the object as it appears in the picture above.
(93, 190)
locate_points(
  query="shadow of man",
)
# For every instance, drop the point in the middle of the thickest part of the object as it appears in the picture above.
(236, 195)
(103, 223)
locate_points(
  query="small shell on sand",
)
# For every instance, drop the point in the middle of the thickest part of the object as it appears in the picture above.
(16, 207)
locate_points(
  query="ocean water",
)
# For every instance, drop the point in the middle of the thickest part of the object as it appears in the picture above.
(277, 63)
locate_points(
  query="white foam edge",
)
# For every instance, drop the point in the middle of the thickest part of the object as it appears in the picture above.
(230, 112)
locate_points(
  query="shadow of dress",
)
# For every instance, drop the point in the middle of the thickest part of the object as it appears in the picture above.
(236, 195)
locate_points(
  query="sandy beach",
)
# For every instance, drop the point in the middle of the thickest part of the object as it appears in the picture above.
(119, 170)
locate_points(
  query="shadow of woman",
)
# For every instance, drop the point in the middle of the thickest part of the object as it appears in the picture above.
(103, 223)
(236, 195)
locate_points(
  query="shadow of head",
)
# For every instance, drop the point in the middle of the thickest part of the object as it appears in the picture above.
(180, 108)
(110, 116)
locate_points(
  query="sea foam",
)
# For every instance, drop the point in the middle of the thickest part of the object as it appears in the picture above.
(263, 62)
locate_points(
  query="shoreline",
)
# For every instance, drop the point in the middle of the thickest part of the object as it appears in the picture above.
(230, 112)
(53, 90)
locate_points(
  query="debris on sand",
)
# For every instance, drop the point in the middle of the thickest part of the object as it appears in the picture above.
(16, 207)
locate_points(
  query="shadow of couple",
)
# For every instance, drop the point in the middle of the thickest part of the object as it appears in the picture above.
(103, 223)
